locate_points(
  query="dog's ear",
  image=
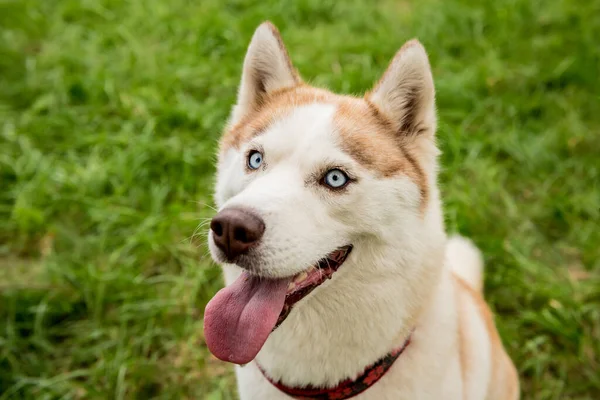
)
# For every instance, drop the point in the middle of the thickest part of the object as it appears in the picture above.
(267, 68)
(406, 94)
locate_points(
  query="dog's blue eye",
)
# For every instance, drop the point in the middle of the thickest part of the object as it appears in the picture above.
(255, 159)
(336, 179)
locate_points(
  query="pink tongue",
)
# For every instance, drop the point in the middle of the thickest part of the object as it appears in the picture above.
(239, 319)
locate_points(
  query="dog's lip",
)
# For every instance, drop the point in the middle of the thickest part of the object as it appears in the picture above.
(306, 281)
(326, 266)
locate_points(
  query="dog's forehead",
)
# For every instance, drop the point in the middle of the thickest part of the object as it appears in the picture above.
(273, 108)
(312, 121)
(307, 131)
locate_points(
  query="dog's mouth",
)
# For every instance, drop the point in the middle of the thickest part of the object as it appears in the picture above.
(307, 281)
(239, 319)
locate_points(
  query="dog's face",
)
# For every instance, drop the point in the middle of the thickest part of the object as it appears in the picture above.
(306, 176)
(321, 175)
(322, 171)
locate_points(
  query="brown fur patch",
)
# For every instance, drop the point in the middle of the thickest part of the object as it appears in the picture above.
(370, 139)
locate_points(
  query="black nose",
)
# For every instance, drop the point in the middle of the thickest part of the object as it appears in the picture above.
(235, 230)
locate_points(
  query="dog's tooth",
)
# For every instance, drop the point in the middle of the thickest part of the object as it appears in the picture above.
(291, 286)
(301, 276)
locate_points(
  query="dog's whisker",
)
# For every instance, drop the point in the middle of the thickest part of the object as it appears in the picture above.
(207, 206)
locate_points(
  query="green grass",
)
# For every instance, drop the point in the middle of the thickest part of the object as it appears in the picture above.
(109, 115)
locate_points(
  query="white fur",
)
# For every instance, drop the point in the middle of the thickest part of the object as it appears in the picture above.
(467, 261)
(399, 275)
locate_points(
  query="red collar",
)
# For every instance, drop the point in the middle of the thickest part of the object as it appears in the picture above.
(348, 388)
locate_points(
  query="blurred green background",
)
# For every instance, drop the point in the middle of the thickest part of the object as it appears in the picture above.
(110, 111)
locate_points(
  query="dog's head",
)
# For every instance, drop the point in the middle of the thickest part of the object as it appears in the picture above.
(308, 179)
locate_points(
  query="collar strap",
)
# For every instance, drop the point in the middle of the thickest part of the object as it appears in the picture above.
(348, 388)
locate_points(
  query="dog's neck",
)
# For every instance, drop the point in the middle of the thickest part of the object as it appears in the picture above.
(375, 302)
(349, 387)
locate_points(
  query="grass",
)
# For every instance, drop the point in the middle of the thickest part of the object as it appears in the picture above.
(109, 115)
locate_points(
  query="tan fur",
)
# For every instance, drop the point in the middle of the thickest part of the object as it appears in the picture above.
(370, 138)
(463, 343)
(504, 383)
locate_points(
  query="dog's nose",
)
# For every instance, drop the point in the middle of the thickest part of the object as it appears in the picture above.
(235, 230)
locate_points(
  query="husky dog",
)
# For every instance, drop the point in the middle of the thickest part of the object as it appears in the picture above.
(341, 281)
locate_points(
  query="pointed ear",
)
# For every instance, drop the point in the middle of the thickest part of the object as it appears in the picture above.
(267, 68)
(405, 94)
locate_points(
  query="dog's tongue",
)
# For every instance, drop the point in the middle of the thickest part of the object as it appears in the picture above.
(238, 320)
